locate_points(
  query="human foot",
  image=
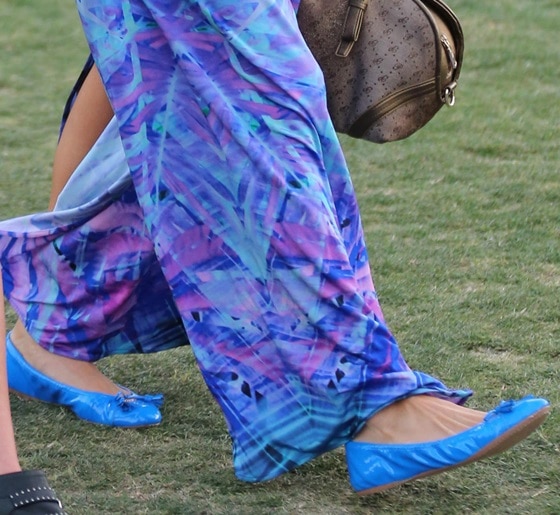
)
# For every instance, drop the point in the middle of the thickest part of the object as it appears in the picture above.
(374, 467)
(111, 404)
(72, 372)
(420, 418)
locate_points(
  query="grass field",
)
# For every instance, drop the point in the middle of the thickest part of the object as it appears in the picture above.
(463, 226)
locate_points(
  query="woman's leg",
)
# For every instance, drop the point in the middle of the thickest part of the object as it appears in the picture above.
(237, 161)
(224, 121)
(18, 488)
(90, 114)
(8, 454)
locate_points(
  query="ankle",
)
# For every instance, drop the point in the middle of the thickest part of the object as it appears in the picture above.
(383, 426)
(420, 418)
(23, 341)
(9, 469)
(9, 462)
(71, 372)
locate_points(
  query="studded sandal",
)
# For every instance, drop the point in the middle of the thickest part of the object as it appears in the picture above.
(28, 493)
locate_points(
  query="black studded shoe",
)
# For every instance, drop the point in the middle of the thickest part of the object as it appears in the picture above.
(28, 493)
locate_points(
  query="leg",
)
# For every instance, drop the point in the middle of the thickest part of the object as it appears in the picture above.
(303, 290)
(235, 158)
(51, 296)
(12, 479)
(48, 376)
(8, 454)
(90, 114)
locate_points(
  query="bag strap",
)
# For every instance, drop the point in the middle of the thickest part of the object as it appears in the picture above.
(352, 26)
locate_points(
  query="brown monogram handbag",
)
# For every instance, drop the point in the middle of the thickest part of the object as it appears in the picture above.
(389, 65)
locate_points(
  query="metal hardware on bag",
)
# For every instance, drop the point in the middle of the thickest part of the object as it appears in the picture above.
(449, 51)
(449, 92)
(449, 95)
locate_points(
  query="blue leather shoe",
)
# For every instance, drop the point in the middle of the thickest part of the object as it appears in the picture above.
(376, 467)
(125, 409)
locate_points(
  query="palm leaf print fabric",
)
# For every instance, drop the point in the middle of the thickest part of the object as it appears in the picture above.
(228, 210)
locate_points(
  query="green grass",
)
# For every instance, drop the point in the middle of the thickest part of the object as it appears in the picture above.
(463, 226)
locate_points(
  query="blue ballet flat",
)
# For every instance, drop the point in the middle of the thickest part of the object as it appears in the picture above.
(125, 409)
(376, 467)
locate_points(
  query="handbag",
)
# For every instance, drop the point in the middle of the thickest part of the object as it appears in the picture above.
(389, 65)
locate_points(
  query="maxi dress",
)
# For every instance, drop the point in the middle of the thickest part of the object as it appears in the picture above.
(217, 203)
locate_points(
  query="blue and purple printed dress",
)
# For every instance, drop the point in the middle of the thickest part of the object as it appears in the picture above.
(217, 204)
